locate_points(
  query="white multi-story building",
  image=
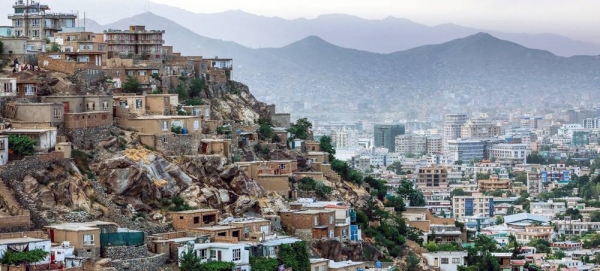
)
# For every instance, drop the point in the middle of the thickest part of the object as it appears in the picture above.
(452, 126)
(548, 209)
(512, 152)
(534, 184)
(591, 123)
(575, 226)
(434, 144)
(413, 144)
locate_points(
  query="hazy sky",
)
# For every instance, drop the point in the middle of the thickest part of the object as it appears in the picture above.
(578, 19)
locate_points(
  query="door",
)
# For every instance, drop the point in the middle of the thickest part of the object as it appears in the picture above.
(219, 255)
(52, 235)
(66, 107)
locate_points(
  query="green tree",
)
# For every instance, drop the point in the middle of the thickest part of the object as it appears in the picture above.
(196, 87)
(132, 85)
(265, 131)
(54, 48)
(327, 146)
(263, 264)
(412, 262)
(216, 266)
(182, 91)
(595, 216)
(25, 257)
(459, 192)
(541, 245)
(522, 178)
(295, 255)
(396, 167)
(407, 191)
(300, 129)
(396, 202)
(499, 220)
(21, 145)
(189, 261)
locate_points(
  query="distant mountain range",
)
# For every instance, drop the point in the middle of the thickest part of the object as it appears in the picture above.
(479, 71)
(254, 31)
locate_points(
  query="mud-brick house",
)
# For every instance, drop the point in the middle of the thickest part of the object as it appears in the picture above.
(8, 87)
(215, 146)
(191, 219)
(309, 224)
(271, 175)
(35, 114)
(217, 70)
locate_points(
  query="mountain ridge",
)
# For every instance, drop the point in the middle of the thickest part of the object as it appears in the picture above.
(478, 67)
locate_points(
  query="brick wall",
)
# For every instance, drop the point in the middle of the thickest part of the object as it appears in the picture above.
(292, 222)
(176, 145)
(32, 234)
(88, 138)
(87, 120)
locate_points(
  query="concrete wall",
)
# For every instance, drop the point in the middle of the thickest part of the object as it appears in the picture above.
(40, 112)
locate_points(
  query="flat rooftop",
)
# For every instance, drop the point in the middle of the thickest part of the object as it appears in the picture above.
(21, 240)
(197, 211)
(219, 228)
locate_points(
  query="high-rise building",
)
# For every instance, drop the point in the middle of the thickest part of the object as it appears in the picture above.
(479, 128)
(466, 150)
(534, 183)
(434, 144)
(385, 135)
(452, 126)
(31, 19)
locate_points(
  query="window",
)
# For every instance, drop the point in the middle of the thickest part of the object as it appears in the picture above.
(456, 260)
(18, 23)
(30, 90)
(35, 33)
(7, 87)
(2, 144)
(323, 268)
(56, 113)
(165, 125)
(316, 268)
(142, 73)
(196, 125)
(331, 219)
(91, 106)
(130, 73)
(164, 139)
(35, 22)
(196, 219)
(104, 106)
(237, 254)
(88, 239)
(281, 166)
(100, 47)
(316, 221)
(203, 254)
(444, 260)
(138, 103)
(213, 254)
(83, 59)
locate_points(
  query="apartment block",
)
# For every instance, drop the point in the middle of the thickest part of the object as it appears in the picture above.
(475, 205)
(32, 19)
(466, 149)
(548, 209)
(494, 183)
(516, 153)
(136, 42)
(433, 179)
(534, 183)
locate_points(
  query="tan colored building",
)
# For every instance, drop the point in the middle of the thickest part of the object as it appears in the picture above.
(253, 227)
(71, 62)
(346, 266)
(221, 233)
(309, 224)
(46, 114)
(479, 128)
(137, 42)
(215, 146)
(32, 19)
(318, 157)
(433, 179)
(476, 204)
(81, 103)
(494, 183)
(119, 70)
(84, 237)
(217, 70)
(312, 146)
(187, 220)
(271, 175)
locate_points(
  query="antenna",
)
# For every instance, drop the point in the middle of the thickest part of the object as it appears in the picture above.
(84, 21)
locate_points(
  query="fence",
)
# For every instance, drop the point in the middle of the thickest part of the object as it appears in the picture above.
(122, 239)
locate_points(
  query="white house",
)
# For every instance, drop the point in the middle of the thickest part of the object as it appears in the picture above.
(3, 150)
(25, 244)
(445, 260)
(548, 209)
(44, 137)
(225, 252)
(8, 87)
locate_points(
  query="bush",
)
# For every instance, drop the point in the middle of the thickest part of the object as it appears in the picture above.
(263, 264)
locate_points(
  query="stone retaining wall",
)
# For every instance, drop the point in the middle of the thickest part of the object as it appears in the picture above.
(88, 138)
(125, 252)
(13, 174)
(141, 264)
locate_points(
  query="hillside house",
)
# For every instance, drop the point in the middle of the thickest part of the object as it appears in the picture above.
(45, 138)
(187, 220)
(309, 224)
(236, 253)
(8, 87)
(271, 175)
(26, 244)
